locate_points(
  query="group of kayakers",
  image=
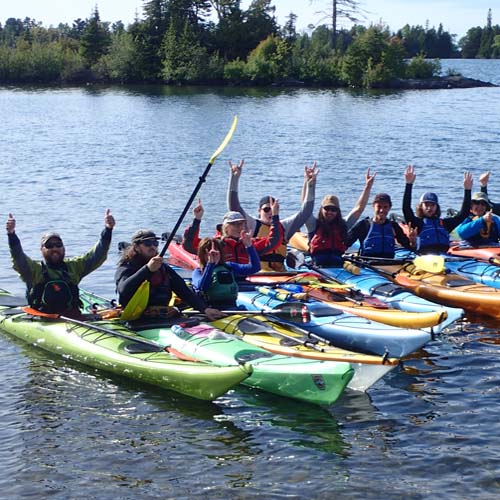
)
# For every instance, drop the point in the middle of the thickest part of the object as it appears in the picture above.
(244, 245)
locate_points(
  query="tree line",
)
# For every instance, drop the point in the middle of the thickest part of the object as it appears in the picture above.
(178, 42)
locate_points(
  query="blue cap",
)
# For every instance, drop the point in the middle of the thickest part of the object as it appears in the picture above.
(432, 197)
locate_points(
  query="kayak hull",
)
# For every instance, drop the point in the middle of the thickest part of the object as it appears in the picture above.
(359, 305)
(109, 353)
(307, 380)
(344, 330)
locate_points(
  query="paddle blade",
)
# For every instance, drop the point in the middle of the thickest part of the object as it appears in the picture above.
(430, 263)
(225, 141)
(137, 304)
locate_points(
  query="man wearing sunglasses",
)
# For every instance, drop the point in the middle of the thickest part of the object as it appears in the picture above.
(141, 262)
(52, 284)
(273, 260)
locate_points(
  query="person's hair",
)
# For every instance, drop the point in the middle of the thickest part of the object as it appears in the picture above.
(328, 227)
(419, 211)
(322, 220)
(206, 244)
(128, 254)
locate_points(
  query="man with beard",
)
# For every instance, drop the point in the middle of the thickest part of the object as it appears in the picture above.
(141, 262)
(52, 284)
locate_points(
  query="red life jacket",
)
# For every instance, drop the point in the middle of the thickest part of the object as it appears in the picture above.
(333, 242)
(235, 251)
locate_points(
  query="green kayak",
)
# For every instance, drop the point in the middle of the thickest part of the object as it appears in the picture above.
(308, 380)
(112, 347)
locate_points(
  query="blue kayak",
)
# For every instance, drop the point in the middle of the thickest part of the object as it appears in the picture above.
(342, 329)
(376, 285)
(478, 271)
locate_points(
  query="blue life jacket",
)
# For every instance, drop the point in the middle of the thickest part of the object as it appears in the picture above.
(379, 241)
(433, 233)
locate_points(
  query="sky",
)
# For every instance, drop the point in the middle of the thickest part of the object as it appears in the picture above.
(457, 16)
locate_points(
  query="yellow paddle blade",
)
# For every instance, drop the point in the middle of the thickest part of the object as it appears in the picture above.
(430, 263)
(225, 141)
(137, 304)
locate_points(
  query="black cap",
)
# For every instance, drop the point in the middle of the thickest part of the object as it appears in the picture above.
(266, 200)
(382, 198)
(143, 235)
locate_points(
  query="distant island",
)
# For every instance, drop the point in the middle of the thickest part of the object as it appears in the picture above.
(178, 45)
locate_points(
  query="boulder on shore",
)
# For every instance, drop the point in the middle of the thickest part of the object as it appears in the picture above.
(438, 82)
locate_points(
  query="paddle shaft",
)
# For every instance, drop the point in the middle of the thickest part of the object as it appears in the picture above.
(198, 186)
(108, 331)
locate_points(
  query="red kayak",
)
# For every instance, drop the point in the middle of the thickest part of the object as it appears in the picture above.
(180, 257)
(488, 253)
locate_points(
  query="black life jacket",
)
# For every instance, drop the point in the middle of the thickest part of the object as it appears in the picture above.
(55, 295)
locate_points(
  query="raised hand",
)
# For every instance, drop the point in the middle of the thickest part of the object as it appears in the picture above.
(198, 210)
(275, 206)
(311, 173)
(109, 220)
(10, 225)
(488, 216)
(213, 255)
(369, 179)
(236, 168)
(468, 180)
(410, 174)
(484, 178)
(412, 235)
(246, 238)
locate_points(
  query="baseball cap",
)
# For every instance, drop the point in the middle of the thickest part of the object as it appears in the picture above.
(481, 197)
(142, 235)
(232, 217)
(431, 197)
(382, 198)
(47, 236)
(330, 200)
(265, 200)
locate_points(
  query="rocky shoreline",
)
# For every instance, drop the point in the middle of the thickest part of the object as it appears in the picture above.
(439, 82)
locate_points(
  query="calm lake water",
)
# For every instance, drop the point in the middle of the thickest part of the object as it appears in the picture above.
(67, 431)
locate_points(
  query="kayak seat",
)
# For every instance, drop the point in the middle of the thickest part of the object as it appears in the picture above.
(459, 282)
(250, 355)
(386, 289)
(142, 348)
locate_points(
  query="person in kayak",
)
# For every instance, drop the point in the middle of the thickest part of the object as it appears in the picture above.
(233, 223)
(481, 227)
(378, 236)
(433, 232)
(216, 280)
(327, 233)
(140, 261)
(483, 182)
(273, 260)
(52, 284)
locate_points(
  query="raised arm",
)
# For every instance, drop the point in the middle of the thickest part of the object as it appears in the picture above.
(408, 213)
(450, 223)
(191, 237)
(360, 206)
(293, 223)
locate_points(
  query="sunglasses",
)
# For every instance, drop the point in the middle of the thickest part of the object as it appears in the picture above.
(55, 244)
(480, 202)
(331, 208)
(266, 209)
(150, 243)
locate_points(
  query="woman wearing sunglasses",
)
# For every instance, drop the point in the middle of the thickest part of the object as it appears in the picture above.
(141, 262)
(52, 284)
(327, 232)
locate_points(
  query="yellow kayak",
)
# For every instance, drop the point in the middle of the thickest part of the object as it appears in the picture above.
(287, 340)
